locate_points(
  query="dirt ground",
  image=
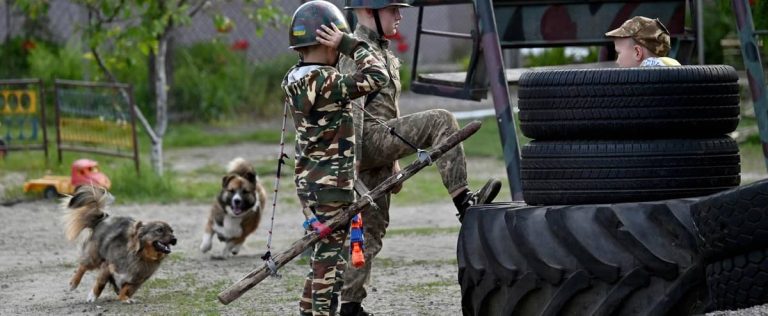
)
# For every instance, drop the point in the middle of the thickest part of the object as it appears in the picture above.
(415, 274)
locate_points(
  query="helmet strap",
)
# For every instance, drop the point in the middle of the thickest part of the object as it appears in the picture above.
(378, 23)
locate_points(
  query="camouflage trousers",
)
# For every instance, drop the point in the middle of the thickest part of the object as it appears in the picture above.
(380, 150)
(324, 277)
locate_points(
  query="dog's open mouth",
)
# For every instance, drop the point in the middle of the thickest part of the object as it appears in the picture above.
(162, 247)
(237, 209)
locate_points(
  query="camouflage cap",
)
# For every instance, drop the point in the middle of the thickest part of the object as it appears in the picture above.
(309, 17)
(375, 4)
(650, 33)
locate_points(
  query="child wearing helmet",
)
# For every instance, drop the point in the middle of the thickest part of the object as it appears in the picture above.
(319, 100)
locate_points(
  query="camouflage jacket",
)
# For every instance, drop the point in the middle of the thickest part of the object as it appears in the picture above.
(385, 104)
(319, 100)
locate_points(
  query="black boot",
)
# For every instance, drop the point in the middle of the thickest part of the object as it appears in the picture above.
(485, 195)
(353, 309)
(334, 303)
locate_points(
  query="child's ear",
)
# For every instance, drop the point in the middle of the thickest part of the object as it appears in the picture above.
(638, 50)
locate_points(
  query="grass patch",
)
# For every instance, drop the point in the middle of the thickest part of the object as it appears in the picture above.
(157, 283)
(192, 135)
(422, 231)
(186, 294)
(176, 256)
(427, 186)
(383, 262)
(487, 142)
(429, 288)
(68, 265)
(127, 186)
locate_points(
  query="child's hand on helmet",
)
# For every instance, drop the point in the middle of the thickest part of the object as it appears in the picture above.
(330, 37)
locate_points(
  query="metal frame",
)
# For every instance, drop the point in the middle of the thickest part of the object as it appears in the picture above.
(41, 102)
(755, 72)
(468, 91)
(115, 86)
(487, 41)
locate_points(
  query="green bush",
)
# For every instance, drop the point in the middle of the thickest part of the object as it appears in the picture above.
(265, 96)
(52, 62)
(14, 57)
(212, 82)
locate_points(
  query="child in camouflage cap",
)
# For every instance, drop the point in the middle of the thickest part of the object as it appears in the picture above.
(642, 42)
(319, 100)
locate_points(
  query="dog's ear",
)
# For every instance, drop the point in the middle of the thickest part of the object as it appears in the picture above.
(78, 199)
(226, 180)
(250, 176)
(134, 242)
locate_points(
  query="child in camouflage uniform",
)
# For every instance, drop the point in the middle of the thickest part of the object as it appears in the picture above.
(318, 96)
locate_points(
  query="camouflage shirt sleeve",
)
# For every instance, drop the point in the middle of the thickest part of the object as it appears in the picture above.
(370, 74)
(347, 65)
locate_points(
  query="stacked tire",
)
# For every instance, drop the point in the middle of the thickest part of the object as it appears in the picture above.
(628, 135)
(655, 137)
(733, 239)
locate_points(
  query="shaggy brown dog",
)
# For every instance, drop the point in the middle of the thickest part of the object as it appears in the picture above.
(125, 251)
(237, 210)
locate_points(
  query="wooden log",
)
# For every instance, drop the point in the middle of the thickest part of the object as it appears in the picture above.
(237, 289)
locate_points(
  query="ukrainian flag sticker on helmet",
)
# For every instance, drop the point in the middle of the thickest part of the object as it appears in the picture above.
(298, 30)
(340, 25)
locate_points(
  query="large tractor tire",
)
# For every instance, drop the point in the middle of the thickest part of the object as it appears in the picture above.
(733, 222)
(739, 281)
(652, 102)
(617, 171)
(732, 227)
(620, 259)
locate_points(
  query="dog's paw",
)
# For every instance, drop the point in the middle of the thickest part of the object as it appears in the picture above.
(72, 286)
(205, 246)
(128, 301)
(235, 249)
(91, 297)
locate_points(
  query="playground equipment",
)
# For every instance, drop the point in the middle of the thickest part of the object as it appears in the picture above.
(84, 171)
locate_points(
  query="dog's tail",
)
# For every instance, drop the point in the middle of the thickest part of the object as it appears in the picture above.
(243, 168)
(85, 209)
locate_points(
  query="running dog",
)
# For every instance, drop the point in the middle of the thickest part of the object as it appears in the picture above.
(125, 251)
(237, 210)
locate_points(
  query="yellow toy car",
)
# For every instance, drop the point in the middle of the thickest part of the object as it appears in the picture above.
(84, 171)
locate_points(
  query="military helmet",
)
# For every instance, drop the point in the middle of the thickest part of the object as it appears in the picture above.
(309, 17)
(375, 4)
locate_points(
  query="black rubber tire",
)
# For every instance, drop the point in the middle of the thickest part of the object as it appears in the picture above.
(732, 222)
(670, 102)
(621, 259)
(740, 281)
(616, 171)
(50, 193)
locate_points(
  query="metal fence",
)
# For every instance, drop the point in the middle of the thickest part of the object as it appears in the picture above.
(22, 116)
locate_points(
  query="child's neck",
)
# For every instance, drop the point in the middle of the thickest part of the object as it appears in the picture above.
(317, 56)
(320, 61)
